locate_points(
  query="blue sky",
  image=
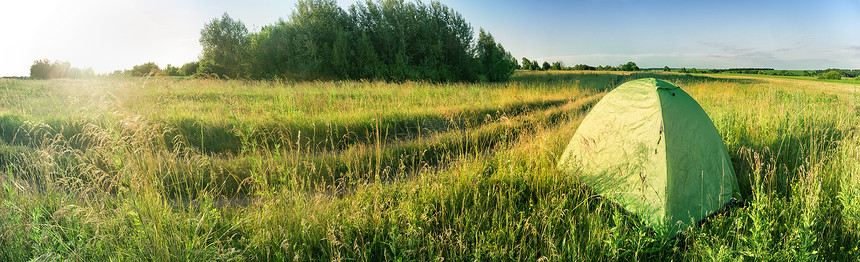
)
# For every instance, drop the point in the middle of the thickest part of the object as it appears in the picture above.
(108, 35)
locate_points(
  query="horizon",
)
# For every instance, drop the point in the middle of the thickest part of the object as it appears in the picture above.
(783, 35)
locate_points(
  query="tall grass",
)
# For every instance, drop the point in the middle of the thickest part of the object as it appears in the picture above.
(166, 169)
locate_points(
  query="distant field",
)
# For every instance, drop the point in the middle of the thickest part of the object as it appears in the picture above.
(175, 169)
(844, 80)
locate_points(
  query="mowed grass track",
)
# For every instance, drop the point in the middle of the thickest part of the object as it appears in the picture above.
(167, 169)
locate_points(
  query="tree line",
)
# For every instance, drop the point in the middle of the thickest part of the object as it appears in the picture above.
(527, 64)
(387, 40)
(152, 69)
(830, 73)
(45, 69)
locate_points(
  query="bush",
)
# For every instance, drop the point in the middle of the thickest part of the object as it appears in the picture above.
(584, 67)
(190, 68)
(831, 75)
(149, 68)
(170, 70)
(629, 66)
(41, 69)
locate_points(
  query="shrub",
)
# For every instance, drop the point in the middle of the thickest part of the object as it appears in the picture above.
(146, 69)
(41, 69)
(831, 75)
(173, 71)
(584, 67)
(190, 68)
(629, 66)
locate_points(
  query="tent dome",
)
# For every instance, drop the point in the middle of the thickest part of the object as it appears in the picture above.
(648, 146)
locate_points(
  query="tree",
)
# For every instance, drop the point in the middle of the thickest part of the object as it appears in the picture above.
(317, 36)
(558, 65)
(666, 68)
(608, 68)
(224, 47)
(584, 67)
(190, 68)
(146, 69)
(339, 54)
(527, 65)
(683, 70)
(172, 71)
(61, 70)
(545, 66)
(386, 39)
(496, 63)
(45, 69)
(41, 69)
(831, 75)
(535, 65)
(370, 66)
(629, 66)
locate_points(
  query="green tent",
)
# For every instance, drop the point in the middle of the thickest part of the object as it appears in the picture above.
(648, 146)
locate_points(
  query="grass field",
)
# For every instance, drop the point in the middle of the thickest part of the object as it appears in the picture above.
(172, 169)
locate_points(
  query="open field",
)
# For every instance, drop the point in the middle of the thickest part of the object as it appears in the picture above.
(844, 80)
(171, 169)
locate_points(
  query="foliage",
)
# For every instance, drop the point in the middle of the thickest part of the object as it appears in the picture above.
(190, 68)
(170, 70)
(629, 66)
(386, 40)
(771, 71)
(45, 69)
(527, 64)
(41, 69)
(224, 44)
(146, 69)
(583, 67)
(831, 75)
(666, 69)
(496, 63)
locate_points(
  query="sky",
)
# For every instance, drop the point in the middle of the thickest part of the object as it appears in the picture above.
(109, 35)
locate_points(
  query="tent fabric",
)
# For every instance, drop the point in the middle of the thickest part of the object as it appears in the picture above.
(650, 147)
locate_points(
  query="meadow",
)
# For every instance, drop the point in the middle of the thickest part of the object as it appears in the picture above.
(168, 169)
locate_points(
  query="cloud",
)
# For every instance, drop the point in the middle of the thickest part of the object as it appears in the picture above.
(729, 51)
(801, 42)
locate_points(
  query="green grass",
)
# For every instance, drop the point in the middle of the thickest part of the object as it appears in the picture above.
(183, 169)
(845, 80)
